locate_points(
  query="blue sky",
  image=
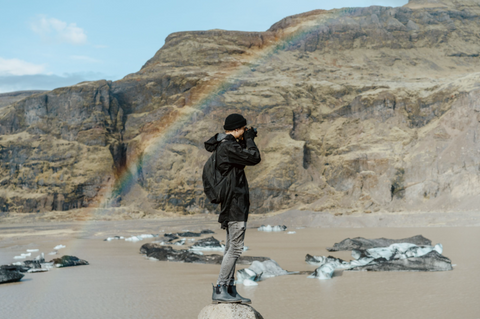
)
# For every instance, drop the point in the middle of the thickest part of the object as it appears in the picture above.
(48, 44)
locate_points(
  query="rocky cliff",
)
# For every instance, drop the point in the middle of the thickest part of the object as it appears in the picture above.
(357, 109)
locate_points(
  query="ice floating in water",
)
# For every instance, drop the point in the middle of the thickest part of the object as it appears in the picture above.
(368, 257)
(18, 263)
(37, 270)
(114, 238)
(291, 232)
(53, 252)
(248, 282)
(31, 250)
(140, 237)
(260, 270)
(22, 256)
(59, 247)
(269, 228)
(180, 242)
(247, 274)
(144, 236)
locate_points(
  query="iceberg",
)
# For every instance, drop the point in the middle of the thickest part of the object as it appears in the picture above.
(260, 270)
(396, 257)
(134, 238)
(114, 238)
(269, 228)
(59, 247)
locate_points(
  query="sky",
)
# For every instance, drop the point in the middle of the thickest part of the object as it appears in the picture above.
(48, 44)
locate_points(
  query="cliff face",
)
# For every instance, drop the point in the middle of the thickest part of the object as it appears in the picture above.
(358, 109)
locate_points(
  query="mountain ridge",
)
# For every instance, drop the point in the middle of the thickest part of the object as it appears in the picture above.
(355, 108)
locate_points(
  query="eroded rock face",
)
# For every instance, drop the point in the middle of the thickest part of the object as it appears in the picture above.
(357, 109)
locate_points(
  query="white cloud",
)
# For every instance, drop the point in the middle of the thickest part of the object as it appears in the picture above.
(19, 67)
(13, 83)
(84, 58)
(53, 29)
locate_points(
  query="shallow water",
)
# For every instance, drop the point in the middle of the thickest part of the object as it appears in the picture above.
(121, 283)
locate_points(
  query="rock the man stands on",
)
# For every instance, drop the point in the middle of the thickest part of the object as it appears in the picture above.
(234, 150)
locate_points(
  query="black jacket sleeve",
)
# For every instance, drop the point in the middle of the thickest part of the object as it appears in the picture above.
(243, 156)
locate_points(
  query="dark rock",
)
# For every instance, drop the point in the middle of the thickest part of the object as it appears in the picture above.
(189, 234)
(207, 243)
(207, 231)
(167, 253)
(314, 260)
(433, 261)
(9, 275)
(68, 261)
(360, 243)
(18, 268)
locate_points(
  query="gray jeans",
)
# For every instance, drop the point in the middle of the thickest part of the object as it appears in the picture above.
(233, 250)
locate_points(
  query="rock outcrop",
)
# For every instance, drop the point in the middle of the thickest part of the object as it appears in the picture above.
(357, 110)
(229, 311)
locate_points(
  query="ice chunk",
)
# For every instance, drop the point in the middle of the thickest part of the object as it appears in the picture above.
(269, 228)
(22, 256)
(37, 270)
(59, 247)
(180, 242)
(114, 238)
(134, 238)
(268, 268)
(291, 232)
(144, 236)
(247, 274)
(31, 250)
(325, 271)
(371, 257)
(18, 263)
(53, 252)
(248, 282)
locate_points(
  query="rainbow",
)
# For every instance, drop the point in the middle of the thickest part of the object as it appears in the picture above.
(154, 143)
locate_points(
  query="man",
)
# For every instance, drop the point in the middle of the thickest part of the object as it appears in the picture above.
(234, 150)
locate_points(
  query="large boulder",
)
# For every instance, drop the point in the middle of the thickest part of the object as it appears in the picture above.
(229, 311)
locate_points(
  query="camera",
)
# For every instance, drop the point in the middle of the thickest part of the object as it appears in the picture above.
(253, 129)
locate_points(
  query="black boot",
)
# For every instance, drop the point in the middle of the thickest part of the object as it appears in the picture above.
(220, 294)
(232, 290)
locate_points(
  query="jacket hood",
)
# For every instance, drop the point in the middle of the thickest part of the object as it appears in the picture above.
(212, 143)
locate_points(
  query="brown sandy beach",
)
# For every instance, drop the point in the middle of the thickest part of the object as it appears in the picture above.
(121, 283)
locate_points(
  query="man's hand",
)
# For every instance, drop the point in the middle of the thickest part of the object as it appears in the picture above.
(250, 133)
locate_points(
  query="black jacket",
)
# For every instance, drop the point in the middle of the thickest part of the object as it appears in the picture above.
(232, 158)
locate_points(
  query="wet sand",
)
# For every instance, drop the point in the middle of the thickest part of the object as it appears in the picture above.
(121, 283)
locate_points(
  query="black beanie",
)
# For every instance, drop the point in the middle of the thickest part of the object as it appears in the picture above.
(234, 121)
